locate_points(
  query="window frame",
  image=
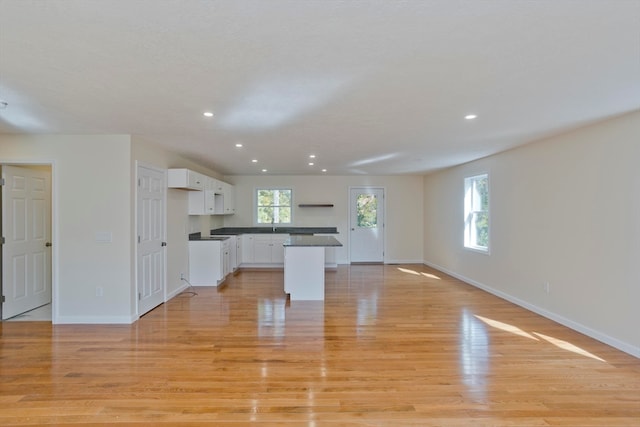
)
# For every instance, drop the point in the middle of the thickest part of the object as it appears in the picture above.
(470, 213)
(257, 206)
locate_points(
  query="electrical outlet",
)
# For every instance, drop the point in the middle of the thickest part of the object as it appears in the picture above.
(181, 276)
(99, 291)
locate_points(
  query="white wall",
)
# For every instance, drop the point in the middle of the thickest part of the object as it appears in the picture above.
(563, 210)
(404, 206)
(90, 184)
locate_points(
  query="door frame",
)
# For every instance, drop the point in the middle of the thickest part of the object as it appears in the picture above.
(384, 222)
(139, 164)
(54, 225)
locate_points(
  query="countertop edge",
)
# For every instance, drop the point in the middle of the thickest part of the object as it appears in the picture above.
(279, 230)
(311, 241)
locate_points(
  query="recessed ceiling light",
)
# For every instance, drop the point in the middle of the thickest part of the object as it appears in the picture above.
(254, 161)
(238, 145)
(470, 116)
(264, 170)
(208, 114)
(324, 170)
(312, 156)
(311, 163)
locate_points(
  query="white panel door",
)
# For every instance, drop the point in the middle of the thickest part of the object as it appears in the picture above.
(151, 201)
(366, 236)
(26, 227)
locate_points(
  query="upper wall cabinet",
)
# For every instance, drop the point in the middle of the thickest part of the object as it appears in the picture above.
(202, 202)
(225, 199)
(229, 199)
(186, 179)
(216, 185)
(209, 196)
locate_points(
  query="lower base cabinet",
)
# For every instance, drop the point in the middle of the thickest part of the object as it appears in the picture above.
(263, 250)
(208, 262)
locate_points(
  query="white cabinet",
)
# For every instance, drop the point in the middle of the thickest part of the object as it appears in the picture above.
(209, 196)
(226, 258)
(277, 248)
(304, 272)
(225, 199)
(247, 248)
(202, 202)
(228, 191)
(207, 262)
(216, 185)
(211, 184)
(186, 179)
(263, 249)
(238, 253)
(231, 246)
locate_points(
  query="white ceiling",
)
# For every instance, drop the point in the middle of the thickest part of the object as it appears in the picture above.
(369, 87)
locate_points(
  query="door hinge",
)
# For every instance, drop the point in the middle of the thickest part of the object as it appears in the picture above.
(139, 296)
(138, 239)
(2, 181)
(2, 240)
(139, 182)
(2, 299)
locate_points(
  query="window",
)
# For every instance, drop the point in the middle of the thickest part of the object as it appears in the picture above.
(476, 212)
(273, 205)
(367, 208)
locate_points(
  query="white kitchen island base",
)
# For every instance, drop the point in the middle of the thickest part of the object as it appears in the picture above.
(304, 272)
(304, 265)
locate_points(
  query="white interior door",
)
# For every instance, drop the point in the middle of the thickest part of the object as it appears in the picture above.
(26, 228)
(366, 238)
(151, 202)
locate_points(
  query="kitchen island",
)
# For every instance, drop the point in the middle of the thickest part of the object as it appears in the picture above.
(304, 266)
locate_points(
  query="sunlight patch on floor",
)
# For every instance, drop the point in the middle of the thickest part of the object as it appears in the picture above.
(415, 273)
(506, 327)
(406, 270)
(564, 345)
(568, 346)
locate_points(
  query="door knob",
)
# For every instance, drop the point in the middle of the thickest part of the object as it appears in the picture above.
(48, 244)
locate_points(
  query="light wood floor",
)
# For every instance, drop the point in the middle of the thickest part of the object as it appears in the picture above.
(391, 346)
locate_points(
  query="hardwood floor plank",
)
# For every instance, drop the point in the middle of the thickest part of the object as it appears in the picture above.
(393, 345)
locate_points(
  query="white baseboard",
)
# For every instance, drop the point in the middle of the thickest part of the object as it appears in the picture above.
(176, 292)
(597, 335)
(274, 266)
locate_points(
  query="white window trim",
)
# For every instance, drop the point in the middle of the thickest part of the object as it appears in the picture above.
(255, 205)
(467, 211)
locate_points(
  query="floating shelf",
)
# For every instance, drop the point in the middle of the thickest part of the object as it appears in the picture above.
(315, 205)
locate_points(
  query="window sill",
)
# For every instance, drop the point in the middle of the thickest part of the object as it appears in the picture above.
(477, 249)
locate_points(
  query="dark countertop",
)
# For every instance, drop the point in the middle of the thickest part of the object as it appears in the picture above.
(197, 236)
(312, 241)
(278, 230)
